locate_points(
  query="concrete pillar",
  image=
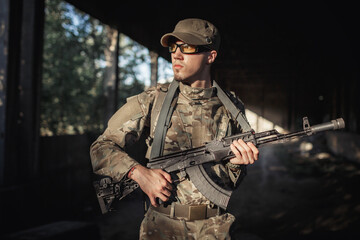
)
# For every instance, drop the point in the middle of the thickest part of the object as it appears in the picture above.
(4, 46)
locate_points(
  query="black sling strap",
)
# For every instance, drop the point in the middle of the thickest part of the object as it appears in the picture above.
(163, 122)
(168, 108)
(232, 108)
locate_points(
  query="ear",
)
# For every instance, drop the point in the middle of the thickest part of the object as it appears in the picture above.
(211, 57)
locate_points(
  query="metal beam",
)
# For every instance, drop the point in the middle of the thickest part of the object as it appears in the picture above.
(26, 20)
(29, 85)
(4, 47)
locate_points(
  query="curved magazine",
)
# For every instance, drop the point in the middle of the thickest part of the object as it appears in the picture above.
(208, 187)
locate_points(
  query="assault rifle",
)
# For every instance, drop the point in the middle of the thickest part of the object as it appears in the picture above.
(190, 162)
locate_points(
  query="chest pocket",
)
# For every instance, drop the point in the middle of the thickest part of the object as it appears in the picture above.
(193, 127)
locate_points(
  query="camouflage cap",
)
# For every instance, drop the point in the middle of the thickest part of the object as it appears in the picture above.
(196, 32)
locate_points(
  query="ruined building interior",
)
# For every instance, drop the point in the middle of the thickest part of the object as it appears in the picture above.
(285, 61)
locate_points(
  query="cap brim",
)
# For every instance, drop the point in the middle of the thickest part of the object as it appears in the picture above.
(185, 37)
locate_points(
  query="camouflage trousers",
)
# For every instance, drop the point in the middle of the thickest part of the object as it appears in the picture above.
(159, 226)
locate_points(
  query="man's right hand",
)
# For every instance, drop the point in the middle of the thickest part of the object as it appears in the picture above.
(156, 183)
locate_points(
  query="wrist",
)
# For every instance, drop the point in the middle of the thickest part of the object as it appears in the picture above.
(131, 172)
(134, 172)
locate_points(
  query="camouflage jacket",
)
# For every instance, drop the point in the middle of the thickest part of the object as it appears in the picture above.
(199, 117)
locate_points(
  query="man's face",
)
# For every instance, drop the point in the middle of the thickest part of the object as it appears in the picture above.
(189, 67)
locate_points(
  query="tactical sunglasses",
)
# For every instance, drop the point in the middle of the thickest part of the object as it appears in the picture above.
(187, 48)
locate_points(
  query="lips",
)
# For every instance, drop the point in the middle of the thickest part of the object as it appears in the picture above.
(177, 65)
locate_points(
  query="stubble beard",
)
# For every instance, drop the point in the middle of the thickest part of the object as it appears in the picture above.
(178, 76)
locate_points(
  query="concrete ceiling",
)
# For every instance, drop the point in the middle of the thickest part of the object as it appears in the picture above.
(290, 48)
(255, 30)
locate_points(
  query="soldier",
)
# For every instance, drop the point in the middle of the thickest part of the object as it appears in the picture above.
(197, 116)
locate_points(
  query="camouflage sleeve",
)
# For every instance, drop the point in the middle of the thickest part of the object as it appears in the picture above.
(108, 153)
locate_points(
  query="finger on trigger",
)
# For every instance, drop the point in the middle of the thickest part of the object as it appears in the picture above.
(167, 176)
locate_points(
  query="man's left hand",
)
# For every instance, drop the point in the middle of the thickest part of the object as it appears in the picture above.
(245, 153)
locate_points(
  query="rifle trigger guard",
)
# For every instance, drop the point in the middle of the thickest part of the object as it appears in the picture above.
(182, 176)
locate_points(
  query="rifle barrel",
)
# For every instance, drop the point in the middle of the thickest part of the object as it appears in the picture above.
(280, 137)
(333, 125)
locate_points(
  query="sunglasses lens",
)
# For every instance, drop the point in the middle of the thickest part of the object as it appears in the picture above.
(186, 48)
(172, 47)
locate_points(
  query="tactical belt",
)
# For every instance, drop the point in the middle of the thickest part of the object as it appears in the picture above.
(188, 212)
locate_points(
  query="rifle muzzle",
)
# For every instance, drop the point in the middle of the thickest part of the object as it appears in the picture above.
(333, 125)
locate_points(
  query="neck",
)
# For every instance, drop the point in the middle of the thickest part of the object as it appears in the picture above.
(200, 81)
(205, 83)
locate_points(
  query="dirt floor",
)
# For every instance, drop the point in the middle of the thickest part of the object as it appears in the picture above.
(306, 189)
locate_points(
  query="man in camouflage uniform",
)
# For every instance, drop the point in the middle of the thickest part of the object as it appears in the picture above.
(198, 117)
